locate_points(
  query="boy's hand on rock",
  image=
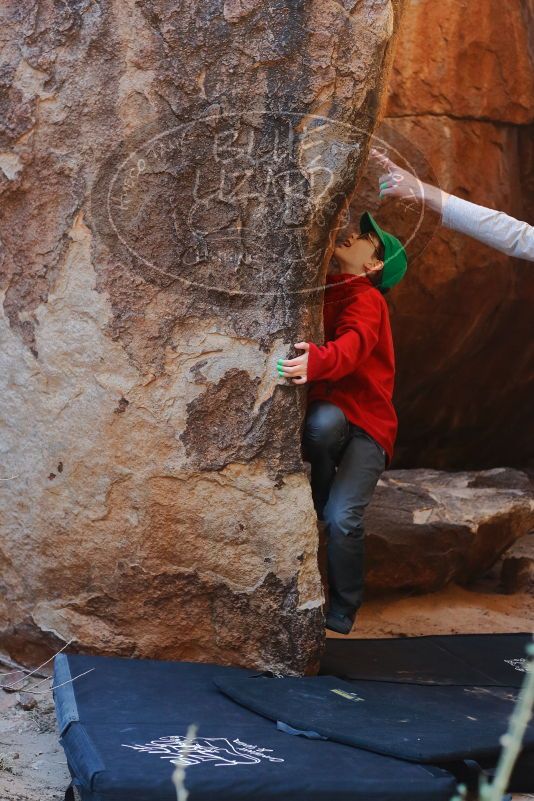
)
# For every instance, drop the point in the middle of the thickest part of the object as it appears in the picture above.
(296, 369)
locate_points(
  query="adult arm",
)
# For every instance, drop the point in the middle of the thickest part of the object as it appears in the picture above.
(493, 228)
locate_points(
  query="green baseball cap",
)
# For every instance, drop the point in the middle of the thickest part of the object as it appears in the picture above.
(395, 260)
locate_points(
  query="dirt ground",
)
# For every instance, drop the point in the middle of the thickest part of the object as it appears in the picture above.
(32, 763)
(455, 610)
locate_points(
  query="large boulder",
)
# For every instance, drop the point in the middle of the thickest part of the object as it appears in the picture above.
(517, 566)
(427, 528)
(169, 176)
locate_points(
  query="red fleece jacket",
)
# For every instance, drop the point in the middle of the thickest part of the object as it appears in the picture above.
(355, 368)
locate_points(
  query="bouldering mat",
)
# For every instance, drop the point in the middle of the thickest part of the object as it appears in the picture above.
(501, 657)
(497, 660)
(460, 659)
(409, 721)
(122, 724)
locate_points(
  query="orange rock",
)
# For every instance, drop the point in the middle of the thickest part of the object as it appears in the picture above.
(465, 60)
(458, 111)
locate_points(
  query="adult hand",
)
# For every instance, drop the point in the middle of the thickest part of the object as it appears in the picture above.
(395, 181)
(296, 369)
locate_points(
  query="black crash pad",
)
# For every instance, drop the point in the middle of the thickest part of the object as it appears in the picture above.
(522, 778)
(408, 721)
(502, 657)
(458, 659)
(122, 723)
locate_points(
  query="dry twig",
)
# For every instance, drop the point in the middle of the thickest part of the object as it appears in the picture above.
(31, 672)
(178, 775)
(511, 741)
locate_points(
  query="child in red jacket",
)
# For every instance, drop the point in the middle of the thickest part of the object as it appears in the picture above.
(350, 424)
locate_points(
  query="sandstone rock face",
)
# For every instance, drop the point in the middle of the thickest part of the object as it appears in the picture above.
(426, 528)
(517, 566)
(460, 114)
(169, 177)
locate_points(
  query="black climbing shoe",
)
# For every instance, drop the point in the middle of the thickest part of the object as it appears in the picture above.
(342, 624)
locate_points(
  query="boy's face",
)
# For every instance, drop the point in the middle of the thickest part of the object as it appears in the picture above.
(358, 254)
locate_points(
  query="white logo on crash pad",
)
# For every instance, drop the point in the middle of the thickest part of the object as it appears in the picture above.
(217, 750)
(518, 664)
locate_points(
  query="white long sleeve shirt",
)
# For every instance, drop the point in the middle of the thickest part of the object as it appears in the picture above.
(494, 228)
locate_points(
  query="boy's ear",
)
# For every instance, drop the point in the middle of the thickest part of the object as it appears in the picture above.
(375, 266)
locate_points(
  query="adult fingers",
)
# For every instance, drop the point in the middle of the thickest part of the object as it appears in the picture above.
(386, 162)
(381, 158)
(391, 191)
(385, 178)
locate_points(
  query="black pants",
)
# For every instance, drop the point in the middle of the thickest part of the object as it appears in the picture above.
(346, 464)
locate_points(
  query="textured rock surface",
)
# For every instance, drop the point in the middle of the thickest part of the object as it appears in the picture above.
(460, 113)
(167, 196)
(425, 528)
(517, 566)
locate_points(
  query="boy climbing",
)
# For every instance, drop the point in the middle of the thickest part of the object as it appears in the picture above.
(351, 424)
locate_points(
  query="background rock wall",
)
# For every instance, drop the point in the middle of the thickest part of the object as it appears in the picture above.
(167, 192)
(460, 113)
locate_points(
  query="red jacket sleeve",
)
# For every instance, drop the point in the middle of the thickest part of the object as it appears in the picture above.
(357, 332)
